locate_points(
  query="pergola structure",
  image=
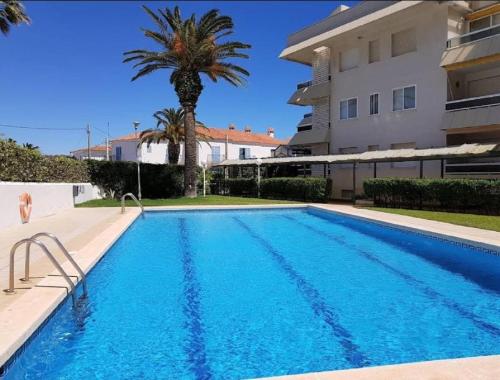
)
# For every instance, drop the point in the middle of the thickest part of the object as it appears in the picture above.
(374, 157)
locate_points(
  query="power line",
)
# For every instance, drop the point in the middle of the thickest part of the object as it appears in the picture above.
(41, 128)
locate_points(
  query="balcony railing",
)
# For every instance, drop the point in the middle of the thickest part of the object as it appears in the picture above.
(310, 83)
(480, 101)
(303, 128)
(304, 84)
(474, 36)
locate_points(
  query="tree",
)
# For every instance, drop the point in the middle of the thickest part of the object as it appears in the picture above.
(172, 121)
(30, 146)
(11, 13)
(189, 48)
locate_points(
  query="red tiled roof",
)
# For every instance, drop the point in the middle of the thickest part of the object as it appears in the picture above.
(219, 134)
(96, 148)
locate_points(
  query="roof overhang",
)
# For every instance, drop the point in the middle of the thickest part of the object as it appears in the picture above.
(302, 51)
(393, 155)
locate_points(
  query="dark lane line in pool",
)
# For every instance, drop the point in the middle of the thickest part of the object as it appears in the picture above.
(434, 294)
(312, 296)
(195, 347)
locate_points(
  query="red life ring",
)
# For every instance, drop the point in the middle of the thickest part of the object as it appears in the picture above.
(25, 207)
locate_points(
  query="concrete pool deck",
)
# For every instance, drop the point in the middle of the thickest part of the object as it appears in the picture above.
(89, 232)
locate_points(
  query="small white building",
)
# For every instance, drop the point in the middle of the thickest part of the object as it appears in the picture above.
(97, 152)
(220, 144)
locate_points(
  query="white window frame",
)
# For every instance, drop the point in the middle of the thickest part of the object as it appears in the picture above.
(378, 104)
(402, 88)
(357, 108)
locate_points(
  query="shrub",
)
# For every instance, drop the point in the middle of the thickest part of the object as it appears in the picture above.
(20, 164)
(309, 189)
(246, 187)
(120, 177)
(450, 194)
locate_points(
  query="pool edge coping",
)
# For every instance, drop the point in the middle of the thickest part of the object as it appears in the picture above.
(428, 230)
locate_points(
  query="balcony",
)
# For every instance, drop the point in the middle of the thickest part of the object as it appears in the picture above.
(474, 36)
(471, 49)
(309, 93)
(304, 84)
(480, 101)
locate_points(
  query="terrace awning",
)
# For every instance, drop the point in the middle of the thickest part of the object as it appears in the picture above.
(393, 155)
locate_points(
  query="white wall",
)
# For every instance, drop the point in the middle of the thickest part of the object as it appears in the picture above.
(48, 199)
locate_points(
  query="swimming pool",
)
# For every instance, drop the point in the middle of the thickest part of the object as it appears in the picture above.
(250, 293)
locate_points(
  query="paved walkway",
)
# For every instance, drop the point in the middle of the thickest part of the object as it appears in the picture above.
(74, 227)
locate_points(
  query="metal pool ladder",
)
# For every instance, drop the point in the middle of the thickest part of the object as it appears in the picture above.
(132, 196)
(35, 240)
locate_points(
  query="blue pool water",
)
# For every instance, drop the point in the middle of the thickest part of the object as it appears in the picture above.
(239, 294)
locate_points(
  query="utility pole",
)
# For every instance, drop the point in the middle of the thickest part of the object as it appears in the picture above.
(107, 144)
(88, 141)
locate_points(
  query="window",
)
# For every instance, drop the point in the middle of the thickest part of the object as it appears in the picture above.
(404, 98)
(244, 153)
(484, 23)
(373, 51)
(347, 150)
(479, 24)
(403, 42)
(215, 154)
(118, 153)
(349, 109)
(349, 59)
(374, 104)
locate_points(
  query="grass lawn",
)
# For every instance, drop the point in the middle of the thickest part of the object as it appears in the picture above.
(486, 222)
(199, 201)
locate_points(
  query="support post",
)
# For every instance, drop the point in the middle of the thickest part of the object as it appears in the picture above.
(375, 170)
(354, 183)
(421, 175)
(88, 141)
(258, 181)
(442, 168)
(204, 181)
(304, 171)
(324, 170)
(139, 192)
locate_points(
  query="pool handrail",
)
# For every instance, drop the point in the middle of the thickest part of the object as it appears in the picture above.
(58, 266)
(133, 197)
(65, 252)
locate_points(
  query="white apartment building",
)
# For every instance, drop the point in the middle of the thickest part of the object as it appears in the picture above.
(397, 74)
(220, 144)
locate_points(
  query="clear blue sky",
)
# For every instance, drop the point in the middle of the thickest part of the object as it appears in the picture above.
(66, 70)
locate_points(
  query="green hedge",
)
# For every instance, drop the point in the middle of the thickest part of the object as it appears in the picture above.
(308, 189)
(20, 164)
(120, 177)
(246, 187)
(448, 194)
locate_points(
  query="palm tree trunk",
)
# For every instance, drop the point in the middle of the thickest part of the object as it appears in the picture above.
(190, 152)
(174, 150)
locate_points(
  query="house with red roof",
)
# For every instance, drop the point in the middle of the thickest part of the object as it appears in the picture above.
(97, 152)
(218, 144)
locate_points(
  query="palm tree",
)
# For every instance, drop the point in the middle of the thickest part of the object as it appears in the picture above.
(11, 12)
(172, 121)
(189, 48)
(30, 146)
